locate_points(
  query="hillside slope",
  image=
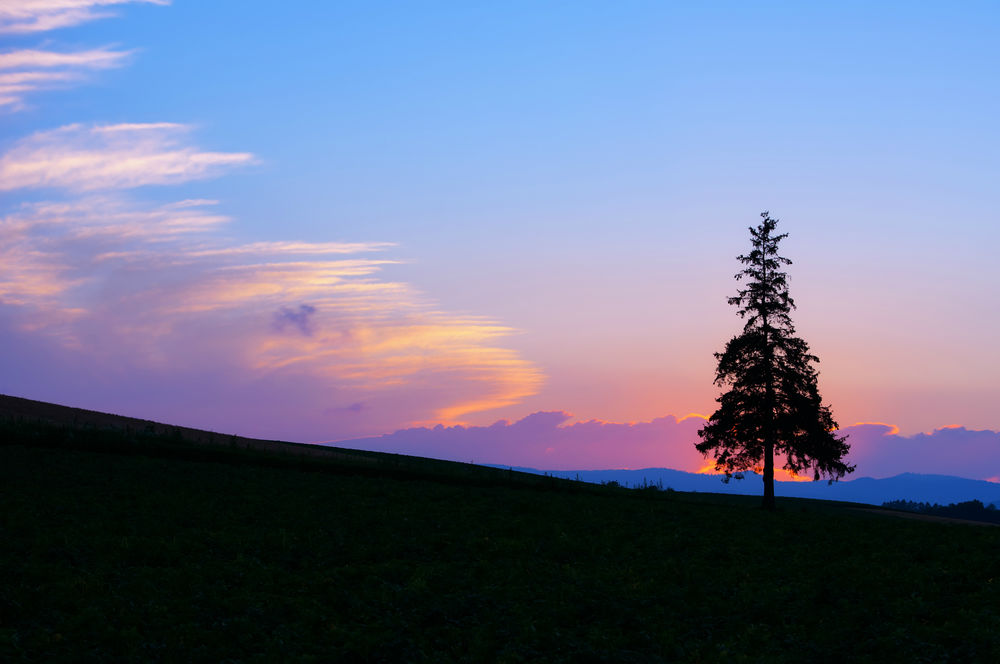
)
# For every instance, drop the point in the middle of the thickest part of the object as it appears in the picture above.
(128, 557)
(943, 489)
(38, 423)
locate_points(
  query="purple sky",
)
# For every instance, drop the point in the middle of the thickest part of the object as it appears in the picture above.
(340, 220)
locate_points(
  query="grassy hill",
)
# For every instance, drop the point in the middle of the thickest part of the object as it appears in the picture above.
(41, 424)
(124, 542)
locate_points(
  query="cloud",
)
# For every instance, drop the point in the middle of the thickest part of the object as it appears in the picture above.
(544, 440)
(100, 58)
(879, 451)
(22, 16)
(289, 248)
(88, 158)
(296, 318)
(144, 298)
(25, 71)
(113, 304)
(48, 248)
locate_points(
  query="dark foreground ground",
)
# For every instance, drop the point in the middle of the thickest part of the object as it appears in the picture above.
(111, 557)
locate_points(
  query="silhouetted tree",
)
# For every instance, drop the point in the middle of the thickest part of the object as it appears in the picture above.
(773, 405)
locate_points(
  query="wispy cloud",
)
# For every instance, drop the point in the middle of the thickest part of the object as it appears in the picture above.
(23, 16)
(148, 309)
(157, 293)
(42, 244)
(88, 158)
(294, 248)
(25, 71)
(99, 58)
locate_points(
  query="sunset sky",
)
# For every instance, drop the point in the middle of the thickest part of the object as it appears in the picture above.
(324, 221)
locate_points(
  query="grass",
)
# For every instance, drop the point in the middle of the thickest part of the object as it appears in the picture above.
(106, 556)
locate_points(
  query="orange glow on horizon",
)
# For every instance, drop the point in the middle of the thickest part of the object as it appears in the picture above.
(708, 469)
(788, 476)
(780, 474)
(947, 426)
(893, 429)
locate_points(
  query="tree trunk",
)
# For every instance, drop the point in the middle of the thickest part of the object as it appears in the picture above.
(769, 436)
(769, 400)
(768, 476)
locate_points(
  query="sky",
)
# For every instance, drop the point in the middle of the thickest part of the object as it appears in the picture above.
(337, 221)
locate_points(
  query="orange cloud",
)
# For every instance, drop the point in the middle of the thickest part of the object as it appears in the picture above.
(708, 468)
(890, 429)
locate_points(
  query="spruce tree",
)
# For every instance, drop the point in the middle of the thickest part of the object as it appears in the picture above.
(773, 404)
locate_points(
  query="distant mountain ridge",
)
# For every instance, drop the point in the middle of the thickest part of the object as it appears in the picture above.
(942, 489)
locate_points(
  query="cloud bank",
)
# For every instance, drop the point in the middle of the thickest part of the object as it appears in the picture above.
(879, 451)
(544, 440)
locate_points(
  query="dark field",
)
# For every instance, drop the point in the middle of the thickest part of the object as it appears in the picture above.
(110, 557)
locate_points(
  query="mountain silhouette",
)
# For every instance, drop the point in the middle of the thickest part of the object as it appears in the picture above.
(942, 489)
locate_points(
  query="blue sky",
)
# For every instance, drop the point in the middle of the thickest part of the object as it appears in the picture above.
(564, 186)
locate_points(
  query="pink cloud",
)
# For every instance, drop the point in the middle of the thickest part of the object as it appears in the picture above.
(28, 70)
(111, 304)
(98, 58)
(21, 16)
(291, 334)
(88, 158)
(544, 440)
(879, 451)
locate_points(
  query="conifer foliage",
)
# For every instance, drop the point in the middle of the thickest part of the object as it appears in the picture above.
(773, 404)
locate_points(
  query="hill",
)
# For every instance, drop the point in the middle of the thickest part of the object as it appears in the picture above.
(154, 553)
(39, 423)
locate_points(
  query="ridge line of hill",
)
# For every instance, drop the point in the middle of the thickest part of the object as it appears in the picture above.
(39, 423)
